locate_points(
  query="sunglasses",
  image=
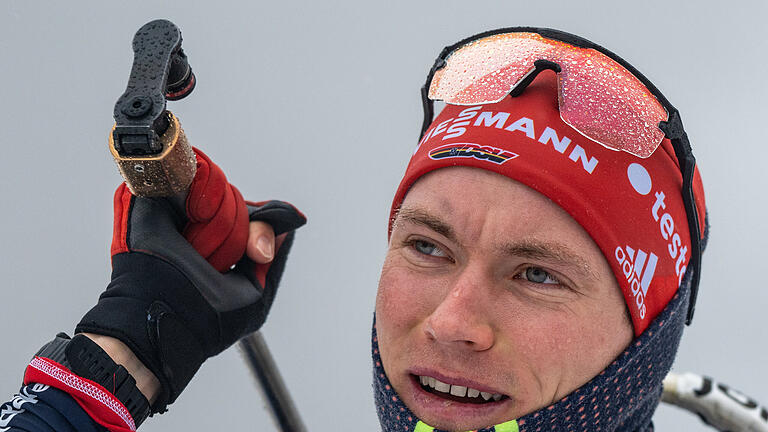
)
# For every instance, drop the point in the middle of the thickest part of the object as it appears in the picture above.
(599, 94)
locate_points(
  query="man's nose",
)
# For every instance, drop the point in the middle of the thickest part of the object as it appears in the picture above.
(462, 318)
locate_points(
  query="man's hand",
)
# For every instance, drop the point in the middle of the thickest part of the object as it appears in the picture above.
(260, 249)
(188, 283)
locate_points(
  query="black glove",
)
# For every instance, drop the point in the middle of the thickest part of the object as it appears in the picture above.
(165, 301)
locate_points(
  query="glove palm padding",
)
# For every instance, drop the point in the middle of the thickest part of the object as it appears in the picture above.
(169, 304)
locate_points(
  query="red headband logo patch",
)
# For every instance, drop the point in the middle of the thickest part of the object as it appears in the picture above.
(470, 150)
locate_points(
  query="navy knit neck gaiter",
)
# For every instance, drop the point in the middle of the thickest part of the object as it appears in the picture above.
(622, 398)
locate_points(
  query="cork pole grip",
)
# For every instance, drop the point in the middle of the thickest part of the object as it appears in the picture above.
(166, 174)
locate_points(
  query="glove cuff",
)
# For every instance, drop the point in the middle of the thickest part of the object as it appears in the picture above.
(87, 360)
(156, 334)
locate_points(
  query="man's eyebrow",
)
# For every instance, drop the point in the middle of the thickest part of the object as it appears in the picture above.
(424, 218)
(554, 252)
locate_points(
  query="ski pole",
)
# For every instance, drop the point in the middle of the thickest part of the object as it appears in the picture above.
(156, 160)
(717, 404)
(263, 367)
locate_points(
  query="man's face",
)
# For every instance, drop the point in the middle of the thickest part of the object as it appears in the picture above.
(489, 286)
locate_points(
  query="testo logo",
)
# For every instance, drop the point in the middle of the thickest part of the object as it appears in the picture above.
(639, 268)
(641, 182)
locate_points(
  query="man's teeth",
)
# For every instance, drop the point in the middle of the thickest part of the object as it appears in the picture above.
(442, 387)
(457, 390)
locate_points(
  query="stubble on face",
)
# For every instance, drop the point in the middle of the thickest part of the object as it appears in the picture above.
(488, 285)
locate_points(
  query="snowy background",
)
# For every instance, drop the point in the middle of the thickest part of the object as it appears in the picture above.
(318, 103)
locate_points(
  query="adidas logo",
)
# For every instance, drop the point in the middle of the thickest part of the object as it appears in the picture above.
(643, 270)
(639, 268)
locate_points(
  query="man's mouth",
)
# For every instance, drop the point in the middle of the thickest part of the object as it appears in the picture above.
(455, 392)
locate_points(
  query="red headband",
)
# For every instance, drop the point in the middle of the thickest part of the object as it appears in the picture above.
(631, 207)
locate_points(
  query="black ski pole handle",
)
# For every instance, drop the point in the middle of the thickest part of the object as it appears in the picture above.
(160, 71)
(147, 142)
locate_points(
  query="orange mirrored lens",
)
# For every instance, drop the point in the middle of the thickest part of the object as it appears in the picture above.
(598, 97)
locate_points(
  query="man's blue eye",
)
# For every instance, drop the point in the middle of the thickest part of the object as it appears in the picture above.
(427, 248)
(539, 275)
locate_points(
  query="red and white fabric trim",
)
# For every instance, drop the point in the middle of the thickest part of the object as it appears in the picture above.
(101, 405)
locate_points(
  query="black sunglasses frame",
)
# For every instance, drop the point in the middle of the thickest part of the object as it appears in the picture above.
(672, 127)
